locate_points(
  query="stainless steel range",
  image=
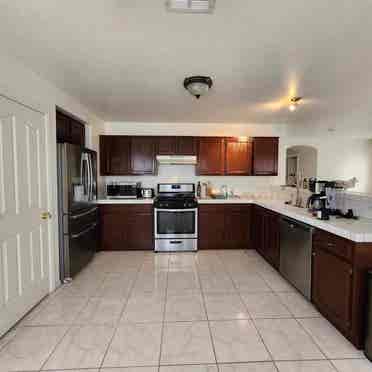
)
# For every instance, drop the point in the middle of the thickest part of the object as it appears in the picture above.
(176, 218)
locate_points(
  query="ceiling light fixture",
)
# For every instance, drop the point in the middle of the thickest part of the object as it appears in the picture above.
(294, 102)
(190, 6)
(198, 85)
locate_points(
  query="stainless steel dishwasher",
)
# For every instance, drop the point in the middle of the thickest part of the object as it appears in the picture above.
(295, 254)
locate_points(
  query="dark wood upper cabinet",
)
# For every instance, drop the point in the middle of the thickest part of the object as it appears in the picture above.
(186, 145)
(217, 156)
(77, 133)
(211, 156)
(265, 156)
(167, 145)
(69, 130)
(143, 151)
(115, 155)
(238, 157)
(170, 145)
(63, 127)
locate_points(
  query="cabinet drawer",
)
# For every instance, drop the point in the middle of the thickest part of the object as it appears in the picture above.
(333, 243)
(125, 208)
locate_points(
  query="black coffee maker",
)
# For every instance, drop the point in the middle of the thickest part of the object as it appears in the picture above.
(317, 202)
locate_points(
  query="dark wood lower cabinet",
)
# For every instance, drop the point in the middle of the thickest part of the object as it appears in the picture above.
(339, 285)
(339, 268)
(265, 235)
(332, 287)
(126, 227)
(224, 226)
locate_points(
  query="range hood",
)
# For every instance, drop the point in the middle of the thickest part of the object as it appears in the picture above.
(176, 159)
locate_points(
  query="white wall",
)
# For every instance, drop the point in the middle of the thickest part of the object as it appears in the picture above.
(22, 84)
(341, 157)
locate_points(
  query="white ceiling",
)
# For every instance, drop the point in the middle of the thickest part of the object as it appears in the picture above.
(127, 59)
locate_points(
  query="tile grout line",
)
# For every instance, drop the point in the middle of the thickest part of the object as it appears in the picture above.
(55, 348)
(312, 338)
(203, 294)
(206, 314)
(164, 311)
(251, 319)
(118, 323)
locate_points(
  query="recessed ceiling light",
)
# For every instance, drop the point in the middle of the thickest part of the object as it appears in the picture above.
(294, 103)
(190, 6)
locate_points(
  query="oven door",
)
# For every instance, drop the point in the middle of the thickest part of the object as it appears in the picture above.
(176, 223)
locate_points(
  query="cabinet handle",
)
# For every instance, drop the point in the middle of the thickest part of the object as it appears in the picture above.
(330, 245)
(314, 254)
(351, 272)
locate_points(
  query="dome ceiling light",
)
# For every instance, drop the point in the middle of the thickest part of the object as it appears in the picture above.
(198, 85)
(190, 6)
(294, 102)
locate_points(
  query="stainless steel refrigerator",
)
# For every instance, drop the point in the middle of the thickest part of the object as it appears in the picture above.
(78, 212)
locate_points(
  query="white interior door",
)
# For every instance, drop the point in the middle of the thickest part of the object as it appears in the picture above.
(24, 245)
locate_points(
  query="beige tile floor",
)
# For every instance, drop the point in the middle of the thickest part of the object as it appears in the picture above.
(213, 311)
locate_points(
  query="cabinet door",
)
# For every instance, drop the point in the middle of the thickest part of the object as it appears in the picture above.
(104, 155)
(139, 230)
(77, 133)
(211, 156)
(265, 156)
(271, 236)
(257, 231)
(119, 155)
(167, 145)
(332, 287)
(143, 155)
(112, 229)
(237, 227)
(238, 157)
(211, 227)
(186, 146)
(63, 128)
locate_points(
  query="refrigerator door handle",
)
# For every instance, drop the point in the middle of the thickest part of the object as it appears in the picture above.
(84, 170)
(90, 167)
(91, 227)
(76, 216)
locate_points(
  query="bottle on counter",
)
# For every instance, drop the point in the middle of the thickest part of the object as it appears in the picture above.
(198, 190)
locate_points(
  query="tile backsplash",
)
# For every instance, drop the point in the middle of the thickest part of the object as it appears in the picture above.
(249, 187)
(361, 204)
(186, 173)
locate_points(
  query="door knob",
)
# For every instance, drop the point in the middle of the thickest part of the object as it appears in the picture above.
(46, 216)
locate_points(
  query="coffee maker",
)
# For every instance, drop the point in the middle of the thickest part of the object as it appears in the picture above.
(317, 202)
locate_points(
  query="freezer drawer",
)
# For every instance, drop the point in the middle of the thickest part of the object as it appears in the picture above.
(295, 254)
(79, 249)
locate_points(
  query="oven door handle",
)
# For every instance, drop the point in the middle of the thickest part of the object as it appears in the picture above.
(176, 210)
